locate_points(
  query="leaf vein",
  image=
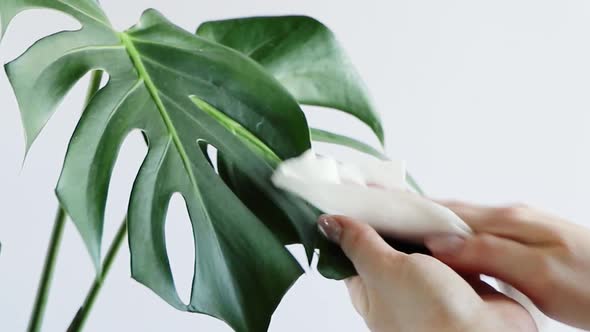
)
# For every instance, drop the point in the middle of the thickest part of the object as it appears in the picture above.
(172, 70)
(79, 10)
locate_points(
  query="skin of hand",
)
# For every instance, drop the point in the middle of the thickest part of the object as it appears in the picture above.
(546, 258)
(398, 292)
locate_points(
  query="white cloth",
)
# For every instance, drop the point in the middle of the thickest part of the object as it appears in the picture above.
(374, 192)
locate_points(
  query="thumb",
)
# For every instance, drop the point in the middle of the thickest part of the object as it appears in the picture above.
(360, 242)
(505, 259)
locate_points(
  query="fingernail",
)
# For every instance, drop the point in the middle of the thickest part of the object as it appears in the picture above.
(330, 228)
(445, 244)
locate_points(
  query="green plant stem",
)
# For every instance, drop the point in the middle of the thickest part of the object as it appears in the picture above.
(38, 312)
(82, 314)
(47, 274)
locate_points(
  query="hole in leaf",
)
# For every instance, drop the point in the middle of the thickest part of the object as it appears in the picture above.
(25, 29)
(129, 159)
(104, 80)
(210, 152)
(340, 123)
(180, 246)
(298, 251)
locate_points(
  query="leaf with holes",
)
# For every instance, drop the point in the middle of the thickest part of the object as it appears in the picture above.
(306, 58)
(183, 92)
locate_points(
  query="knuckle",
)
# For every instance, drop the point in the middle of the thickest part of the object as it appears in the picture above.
(397, 259)
(564, 246)
(420, 260)
(404, 265)
(567, 244)
(359, 237)
(394, 263)
(514, 212)
(480, 249)
(483, 244)
(417, 258)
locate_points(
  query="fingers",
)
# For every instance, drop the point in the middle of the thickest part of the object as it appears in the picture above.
(360, 242)
(505, 259)
(519, 223)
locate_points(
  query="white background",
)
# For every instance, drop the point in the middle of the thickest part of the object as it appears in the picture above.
(488, 101)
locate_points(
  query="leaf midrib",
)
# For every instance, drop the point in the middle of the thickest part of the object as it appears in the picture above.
(237, 129)
(153, 91)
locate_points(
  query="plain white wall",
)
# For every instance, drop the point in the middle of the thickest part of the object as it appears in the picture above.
(487, 101)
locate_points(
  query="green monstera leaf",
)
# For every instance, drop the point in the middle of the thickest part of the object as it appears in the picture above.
(304, 55)
(182, 92)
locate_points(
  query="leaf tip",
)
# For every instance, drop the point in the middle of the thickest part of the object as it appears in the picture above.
(29, 140)
(376, 126)
(92, 246)
(151, 15)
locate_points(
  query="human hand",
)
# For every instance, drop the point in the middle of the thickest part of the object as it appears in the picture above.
(546, 258)
(398, 292)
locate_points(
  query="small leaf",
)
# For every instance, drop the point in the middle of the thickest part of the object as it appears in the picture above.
(304, 56)
(320, 135)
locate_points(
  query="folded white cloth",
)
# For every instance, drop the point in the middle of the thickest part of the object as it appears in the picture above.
(376, 192)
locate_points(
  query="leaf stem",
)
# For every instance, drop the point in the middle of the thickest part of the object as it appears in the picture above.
(48, 269)
(82, 314)
(38, 312)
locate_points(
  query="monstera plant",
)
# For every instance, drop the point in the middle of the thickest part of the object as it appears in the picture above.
(236, 85)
